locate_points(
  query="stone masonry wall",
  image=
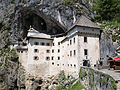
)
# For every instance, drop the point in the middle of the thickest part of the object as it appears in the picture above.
(95, 80)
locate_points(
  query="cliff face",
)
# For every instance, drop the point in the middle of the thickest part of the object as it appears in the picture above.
(48, 16)
(55, 15)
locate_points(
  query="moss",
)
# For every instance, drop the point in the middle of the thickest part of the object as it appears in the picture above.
(77, 86)
(68, 2)
(1, 64)
(82, 74)
(113, 84)
(59, 88)
(6, 27)
(13, 1)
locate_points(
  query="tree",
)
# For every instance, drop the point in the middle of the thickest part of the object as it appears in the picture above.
(107, 10)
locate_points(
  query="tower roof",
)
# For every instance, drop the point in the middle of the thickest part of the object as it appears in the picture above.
(84, 22)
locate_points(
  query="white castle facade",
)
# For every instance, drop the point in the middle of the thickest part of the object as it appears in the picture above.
(47, 55)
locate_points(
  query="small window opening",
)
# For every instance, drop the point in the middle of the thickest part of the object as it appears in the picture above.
(48, 44)
(58, 50)
(70, 53)
(74, 40)
(47, 51)
(52, 58)
(36, 58)
(85, 39)
(74, 52)
(70, 42)
(58, 58)
(57, 64)
(53, 44)
(47, 58)
(42, 43)
(52, 63)
(58, 43)
(36, 43)
(52, 50)
(85, 52)
(36, 50)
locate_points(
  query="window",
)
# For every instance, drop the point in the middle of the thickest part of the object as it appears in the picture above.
(42, 43)
(85, 52)
(68, 65)
(70, 42)
(58, 58)
(57, 64)
(36, 43)
(36, 58)
(47, 58)
(21, 51)
(58, 43)
(53, 44)
(85, 39)
(71, 65)
(52, 63)
(70, 53)
(74, 40)
(47, 51)
(48, 44)
(74, 65)
(74, 52)
(52, 58)
(52, 50)
(58, 50)
(36, 50)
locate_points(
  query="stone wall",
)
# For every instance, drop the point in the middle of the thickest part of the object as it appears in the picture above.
(96, 80)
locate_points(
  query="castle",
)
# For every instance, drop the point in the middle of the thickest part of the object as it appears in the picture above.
(47, 55)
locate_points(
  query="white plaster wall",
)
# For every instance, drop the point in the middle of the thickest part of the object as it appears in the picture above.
(23, 57)
(92, 46)
(70, 61)
(55, 69)
(38, 67)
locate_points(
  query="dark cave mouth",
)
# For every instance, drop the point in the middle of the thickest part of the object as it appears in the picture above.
(39, 21)
(33, 20)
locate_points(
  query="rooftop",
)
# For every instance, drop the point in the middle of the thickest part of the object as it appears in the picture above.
(84, 22)
(32, 33)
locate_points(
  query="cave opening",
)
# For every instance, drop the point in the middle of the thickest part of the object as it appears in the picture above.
(36, 22)
(33, 20)
(39, 21)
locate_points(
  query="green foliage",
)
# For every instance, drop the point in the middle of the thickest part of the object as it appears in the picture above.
(113, 84)
(1, 64)
(9, 54)
(70, 2)
(82, 74)
(6, 27)
(13, 1)
(77, 86)
(107, 10)
(59, 88)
